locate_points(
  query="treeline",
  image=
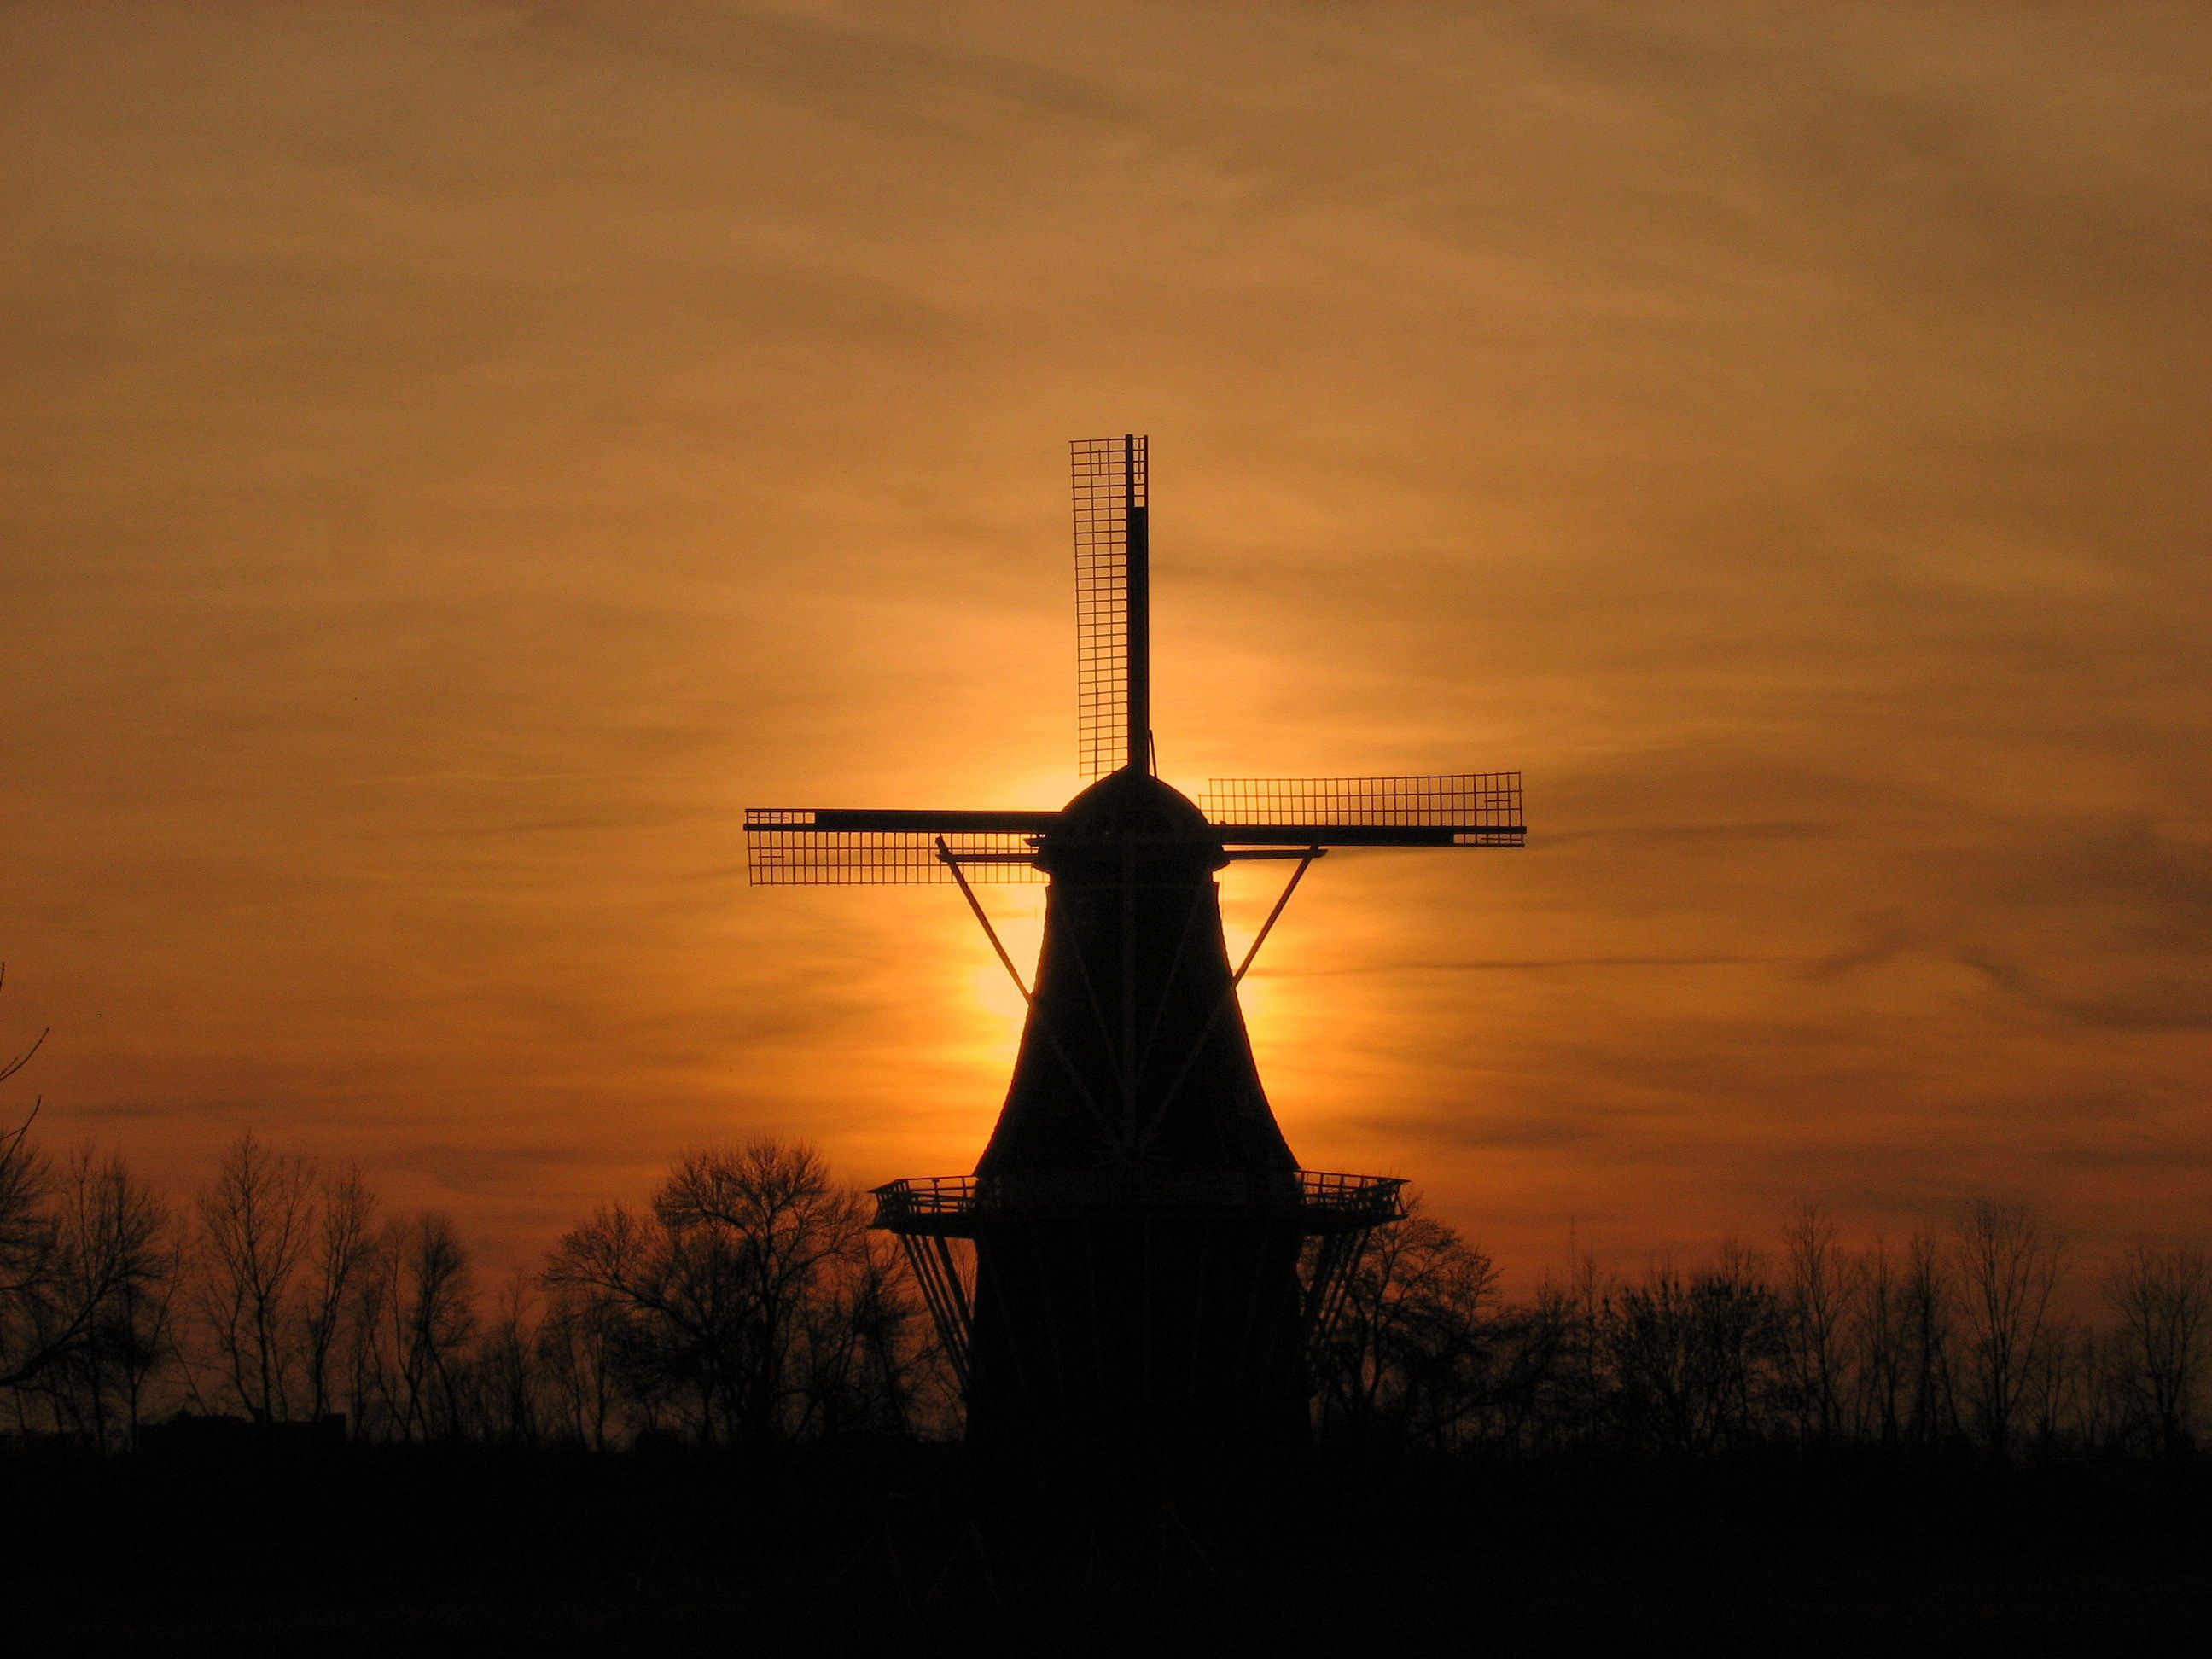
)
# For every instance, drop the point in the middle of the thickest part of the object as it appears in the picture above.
(1986, 1337)
(747, 1305)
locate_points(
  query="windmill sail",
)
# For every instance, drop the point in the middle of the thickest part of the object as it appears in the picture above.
(797, 846)
(1455, 809)
(1111, 690)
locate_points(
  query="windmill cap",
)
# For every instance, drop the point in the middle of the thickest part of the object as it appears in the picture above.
(1132, 805)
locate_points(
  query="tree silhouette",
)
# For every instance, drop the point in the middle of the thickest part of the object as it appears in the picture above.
(747, 1297)
(257, 1226)
(2010, 1264)
(2162, 1295)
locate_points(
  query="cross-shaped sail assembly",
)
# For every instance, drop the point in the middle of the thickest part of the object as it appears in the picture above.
(1149, 1262)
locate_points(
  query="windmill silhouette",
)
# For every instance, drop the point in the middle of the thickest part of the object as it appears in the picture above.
(1149, 1265)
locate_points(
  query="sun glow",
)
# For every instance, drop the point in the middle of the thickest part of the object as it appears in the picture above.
(999, 1007)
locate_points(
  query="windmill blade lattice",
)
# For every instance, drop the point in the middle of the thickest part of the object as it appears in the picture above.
(1110, 491)
(1452, 809)
(789, 848)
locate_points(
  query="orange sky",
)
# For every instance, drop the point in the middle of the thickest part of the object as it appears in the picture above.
(459, 455)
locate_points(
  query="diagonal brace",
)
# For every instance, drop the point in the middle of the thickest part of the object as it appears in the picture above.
(1268, 927)
(1059, 1050)
(1228, 996)
(952, 863)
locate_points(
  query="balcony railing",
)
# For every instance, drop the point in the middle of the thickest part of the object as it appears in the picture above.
(1322, 1201)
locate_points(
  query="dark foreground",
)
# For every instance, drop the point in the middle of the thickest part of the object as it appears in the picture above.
(392, 1549)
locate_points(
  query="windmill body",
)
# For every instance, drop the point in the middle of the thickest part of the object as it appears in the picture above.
(1137, 1299)
(1132, 1277)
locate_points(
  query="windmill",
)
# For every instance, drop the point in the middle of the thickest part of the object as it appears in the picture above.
(1141, 1265)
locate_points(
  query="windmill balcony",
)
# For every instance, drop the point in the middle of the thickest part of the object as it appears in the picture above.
(958, 1206)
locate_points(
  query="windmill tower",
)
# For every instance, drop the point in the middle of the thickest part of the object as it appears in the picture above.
(1133, 1276)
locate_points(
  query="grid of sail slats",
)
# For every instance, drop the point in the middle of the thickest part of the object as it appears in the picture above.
(1481, 808)
(781, 851)
(1109, 480)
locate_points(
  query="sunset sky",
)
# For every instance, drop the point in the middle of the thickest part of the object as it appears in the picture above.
(458, 456)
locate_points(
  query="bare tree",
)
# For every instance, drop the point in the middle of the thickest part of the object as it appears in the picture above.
(432, 1315)
(769, 1216)
(113, 1269)
(511, 1385)
(738, 1294)
(257, 1226)
(371, 1387)
(27, 1247)
(860, 1370)
(340, 1251)
(1880, 1345)
(1819, 1296)
(442, 1321)
(1929, 1327)
(2059, 1398)
(2162, 1295)
(28, 1258)
(1550, 1388)
(2010, 1265)
(1901, 1341)
(644, 1317)
(575, 1351)
(1410, 1356)
(1697, 1359)
(86, 1270)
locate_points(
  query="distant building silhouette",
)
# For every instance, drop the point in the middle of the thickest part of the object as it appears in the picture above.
(1149, 1263)
(219, 1434)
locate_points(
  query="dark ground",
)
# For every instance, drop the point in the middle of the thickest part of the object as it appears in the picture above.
(337, 1550)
